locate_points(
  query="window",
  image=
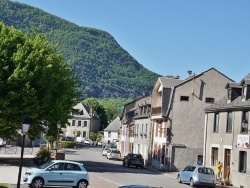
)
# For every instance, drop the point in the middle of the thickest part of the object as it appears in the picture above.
(214, 157)
(142, 128)
(243, 161)
(79, 123)
(229, 94)
(209, 100)
(244, 92)
(184, 98)
(109, 134)
(84, 134)
(85, 123)
(244, 122)
(216, 122)
(73, 122)
(229, 122)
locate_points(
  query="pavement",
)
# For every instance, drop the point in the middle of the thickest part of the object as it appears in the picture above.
(10, 162)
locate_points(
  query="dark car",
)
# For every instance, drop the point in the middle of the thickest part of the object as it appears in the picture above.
(133, 159)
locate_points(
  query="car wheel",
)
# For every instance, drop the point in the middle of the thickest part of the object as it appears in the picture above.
(142, 166)
(128, 165)
(179, 178)
(191, 182)
(37, 183)
(82, 184)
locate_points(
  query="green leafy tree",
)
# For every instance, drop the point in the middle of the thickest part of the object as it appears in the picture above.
(34, 81)
(96, 136)
(94, 104)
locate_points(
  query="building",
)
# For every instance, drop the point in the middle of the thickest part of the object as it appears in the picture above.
(227, 133)
(111, 132)
(83, 121)
(141, 136)
(178, 117)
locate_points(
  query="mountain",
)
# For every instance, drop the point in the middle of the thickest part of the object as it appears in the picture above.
(103, 67)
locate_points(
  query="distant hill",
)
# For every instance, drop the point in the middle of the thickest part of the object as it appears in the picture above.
(104, 68)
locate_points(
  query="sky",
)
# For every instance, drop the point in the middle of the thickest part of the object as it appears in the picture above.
(169, 37)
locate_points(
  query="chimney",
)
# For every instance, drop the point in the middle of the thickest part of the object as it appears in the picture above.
(189, 73)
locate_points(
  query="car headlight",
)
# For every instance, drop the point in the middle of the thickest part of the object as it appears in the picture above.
(28, 173)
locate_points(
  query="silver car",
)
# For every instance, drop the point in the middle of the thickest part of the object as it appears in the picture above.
(197, 175)
(57, 173)
(114, 154)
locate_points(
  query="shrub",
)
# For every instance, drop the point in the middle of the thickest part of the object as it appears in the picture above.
(42, 156)
(68, 144)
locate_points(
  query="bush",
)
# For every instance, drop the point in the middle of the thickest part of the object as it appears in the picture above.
(68, 144)
(42, 156)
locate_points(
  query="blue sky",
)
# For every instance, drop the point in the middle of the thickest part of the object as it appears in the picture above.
(169, 37)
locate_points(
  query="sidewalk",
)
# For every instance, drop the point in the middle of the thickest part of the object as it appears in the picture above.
(174, 175)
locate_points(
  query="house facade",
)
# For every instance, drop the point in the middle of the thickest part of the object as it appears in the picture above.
(141, 133)
(226, 137)
(111, 132)
(179, 125)
(83, 121)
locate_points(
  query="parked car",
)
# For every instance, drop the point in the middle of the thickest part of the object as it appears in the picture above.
(133, 159)
(105, 151)
(88, 142)
(67, 138)
(99, 144)
(114, 154)
(197, 175)
(2, 142)
(57, 173)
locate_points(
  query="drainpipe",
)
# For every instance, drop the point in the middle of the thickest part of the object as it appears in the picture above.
(205, 140)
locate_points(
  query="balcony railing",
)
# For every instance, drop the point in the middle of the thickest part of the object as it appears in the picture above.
(156, 111)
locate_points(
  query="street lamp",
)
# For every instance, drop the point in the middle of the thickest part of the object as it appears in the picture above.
(59, 124)
(25, 128)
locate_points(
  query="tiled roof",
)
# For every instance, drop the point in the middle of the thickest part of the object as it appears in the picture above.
(169, 82)
(114, 125)
(222, 104)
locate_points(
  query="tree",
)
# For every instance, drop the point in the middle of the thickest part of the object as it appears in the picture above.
(34, 81)
(94, 104)
(96, 136)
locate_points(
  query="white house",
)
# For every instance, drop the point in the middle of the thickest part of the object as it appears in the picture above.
(111, 132)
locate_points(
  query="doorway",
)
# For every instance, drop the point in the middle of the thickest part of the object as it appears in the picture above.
(227, 163)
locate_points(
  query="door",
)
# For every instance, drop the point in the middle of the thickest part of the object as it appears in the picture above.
(54, 174)
(227, 163)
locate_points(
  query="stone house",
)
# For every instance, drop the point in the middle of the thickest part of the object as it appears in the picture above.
(178, 117)
(83, 121)
(227, 133)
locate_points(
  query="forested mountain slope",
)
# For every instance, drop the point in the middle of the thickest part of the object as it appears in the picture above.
(104, 68)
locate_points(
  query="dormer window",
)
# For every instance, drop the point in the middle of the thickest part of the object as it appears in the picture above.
(229, 94)
(244, 94)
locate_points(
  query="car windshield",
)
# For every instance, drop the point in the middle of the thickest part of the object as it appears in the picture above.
(206, 171)
(46, 165)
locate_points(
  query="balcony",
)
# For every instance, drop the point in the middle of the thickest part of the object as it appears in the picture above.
(156, 111)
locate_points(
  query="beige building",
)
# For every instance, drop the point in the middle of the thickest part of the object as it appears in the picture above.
(83, 122)
(227, 133)
(178, 117)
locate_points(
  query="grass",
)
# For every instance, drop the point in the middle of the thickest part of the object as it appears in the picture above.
(5, 185)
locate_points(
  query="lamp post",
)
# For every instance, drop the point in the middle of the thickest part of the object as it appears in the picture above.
(25, 128)
(59, 124)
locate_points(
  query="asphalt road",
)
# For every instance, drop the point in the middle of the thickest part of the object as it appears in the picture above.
(103, 173)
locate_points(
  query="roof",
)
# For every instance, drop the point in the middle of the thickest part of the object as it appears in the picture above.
(236, 104)
(114, 126)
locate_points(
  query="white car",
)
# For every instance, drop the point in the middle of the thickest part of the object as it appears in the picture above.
(88, 142)
(2, 142)
(114, 154)
(105, 151)
(60, 173)
(99, 144)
